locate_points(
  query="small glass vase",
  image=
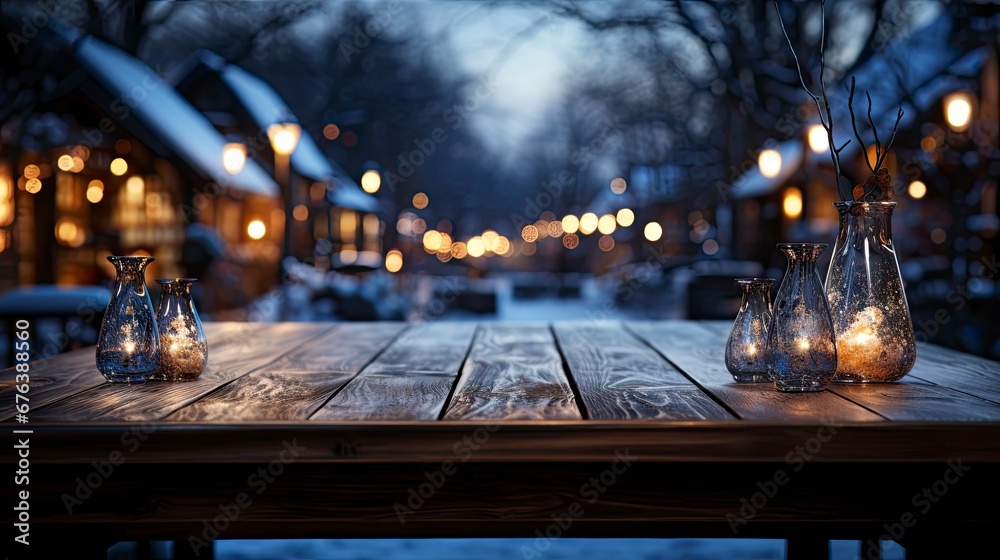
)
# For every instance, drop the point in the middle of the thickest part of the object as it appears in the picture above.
(867, 302)
(183, 347)
(801, 351)
(745, 347)
(128, 344)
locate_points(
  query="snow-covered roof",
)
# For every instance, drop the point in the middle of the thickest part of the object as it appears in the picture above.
(143, 95)
(266, 107)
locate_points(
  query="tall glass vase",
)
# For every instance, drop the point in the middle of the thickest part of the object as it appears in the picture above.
(867, 301)
(801, 352)
(745, 347)
(183, 348)
(128, 345)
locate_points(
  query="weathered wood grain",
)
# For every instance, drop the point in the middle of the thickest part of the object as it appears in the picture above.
(700, 352)
(410, 380)
(296, 384)
(963, 372)
(518, 499)
(913, 398)
(156, 400)
(66, 374)
(513, 372)
(619, 377)
(704, 441)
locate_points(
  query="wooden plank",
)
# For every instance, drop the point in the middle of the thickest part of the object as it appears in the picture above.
(411, 380)
(700, 353)
(63, 375)
(963, 372)
(913, 399)
(256, 346)
(705, 441)
(298, 383)
(513, 372)
(619, 377)
(507, 500)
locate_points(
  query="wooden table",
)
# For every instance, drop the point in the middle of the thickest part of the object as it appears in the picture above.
(301, 430)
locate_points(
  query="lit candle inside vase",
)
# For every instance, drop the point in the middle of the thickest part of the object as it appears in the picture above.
(860, 350)
(183, 348)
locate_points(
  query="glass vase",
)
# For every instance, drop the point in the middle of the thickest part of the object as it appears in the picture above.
(183, 347)
(128, 344)
(801, 351)
(745, 347)
(867, 301)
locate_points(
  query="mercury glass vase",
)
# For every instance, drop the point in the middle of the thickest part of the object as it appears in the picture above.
(801, 352)
(745, 347)
(183, 347)
(867, 301)
(128, 344)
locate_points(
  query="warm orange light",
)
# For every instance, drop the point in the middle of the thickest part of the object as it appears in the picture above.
(917, 189)
(792, 204)
(958, 110)
(119, 166)
(625, 217)
(394, 260)
(529, 233)
(570, 224)
(65, 162)
(234, 157)
(300, 213)
(371, 181)
(607, 224)
(475, 247)
(618, 185)
(819, 142)
(256, 229)
(769, 162)
(33, 186)
(94, 194)
(653, 231)
(588, 223)
(420, 201)
(284, 137)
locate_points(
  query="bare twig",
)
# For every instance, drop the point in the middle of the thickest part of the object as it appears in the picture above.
(899, 116)
(871, 121)
(822, 101)
(854, 125)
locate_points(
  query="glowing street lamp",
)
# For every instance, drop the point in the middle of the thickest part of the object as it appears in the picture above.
(234, 157)
(284, 138)
(958, 110)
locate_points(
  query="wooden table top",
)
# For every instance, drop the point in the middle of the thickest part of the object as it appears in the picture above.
(391, 392)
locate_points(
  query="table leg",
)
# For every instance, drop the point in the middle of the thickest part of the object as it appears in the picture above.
(807, 548)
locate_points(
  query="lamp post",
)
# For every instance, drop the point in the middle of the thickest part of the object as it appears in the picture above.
(284, 138)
